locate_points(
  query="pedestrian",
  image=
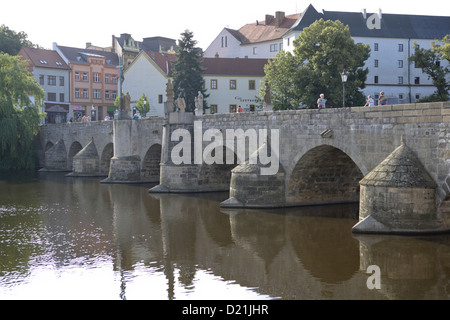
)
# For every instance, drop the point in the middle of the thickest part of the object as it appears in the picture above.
(382, 100)
(321, 102)
(369, 102)
(240, 109)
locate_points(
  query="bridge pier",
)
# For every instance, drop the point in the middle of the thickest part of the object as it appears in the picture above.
(125, 166)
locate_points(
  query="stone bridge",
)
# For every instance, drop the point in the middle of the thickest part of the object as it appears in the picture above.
(394, 160)
(87, 149)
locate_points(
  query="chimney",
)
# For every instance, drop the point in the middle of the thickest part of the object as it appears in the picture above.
(280, 17)
(88, 44)
(380, 14)
(364, 13)
(268, 19)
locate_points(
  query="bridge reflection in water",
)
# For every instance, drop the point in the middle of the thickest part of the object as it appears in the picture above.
(168, 246)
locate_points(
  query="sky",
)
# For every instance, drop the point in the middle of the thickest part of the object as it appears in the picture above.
(74, 23)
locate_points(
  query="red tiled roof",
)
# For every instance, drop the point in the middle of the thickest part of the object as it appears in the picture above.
(44, 58)
(234, 66)
(162, 60)
(260, 32)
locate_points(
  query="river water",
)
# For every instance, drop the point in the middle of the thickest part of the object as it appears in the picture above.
(75, 238)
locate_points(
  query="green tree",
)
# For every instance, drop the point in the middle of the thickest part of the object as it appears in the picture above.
(20, 98)
(11, 42)
(285, 94)
(143, 105)
(321, 52)
(187, 69)
(429, 60)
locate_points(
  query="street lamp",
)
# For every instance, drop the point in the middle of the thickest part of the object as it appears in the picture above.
(344, 76)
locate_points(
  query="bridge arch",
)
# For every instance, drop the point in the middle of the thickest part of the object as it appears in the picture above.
(324, 174)
(218, 175)
(75, 147)
(150, 169)
(105, 158)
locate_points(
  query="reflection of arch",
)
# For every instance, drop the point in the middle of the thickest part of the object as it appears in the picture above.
(105, 158)
(151, 165)
(325, 245)
(218, 175)
(324, 174)
(48, 146)
(74, 149)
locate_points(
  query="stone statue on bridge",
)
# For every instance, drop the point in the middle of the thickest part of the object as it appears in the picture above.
(267, 103)
(181, 103)
(169, 105)
(199, 104)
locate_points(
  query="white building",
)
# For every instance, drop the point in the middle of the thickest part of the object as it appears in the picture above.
(148, 74)
(391, 38)
(52, 73)
(260, 40)
(231, 83)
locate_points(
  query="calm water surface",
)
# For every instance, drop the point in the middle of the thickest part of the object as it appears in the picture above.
(74, 238)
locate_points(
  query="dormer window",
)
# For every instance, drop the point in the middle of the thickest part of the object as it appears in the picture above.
(43, 61)
(59, 63)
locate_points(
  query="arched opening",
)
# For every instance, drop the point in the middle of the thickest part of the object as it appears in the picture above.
(105, 159)
(48, 146)
(74, 149)
(217, 175)
(150, 170)
(324, 175)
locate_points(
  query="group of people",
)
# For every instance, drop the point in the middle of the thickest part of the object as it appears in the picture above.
(382, 100)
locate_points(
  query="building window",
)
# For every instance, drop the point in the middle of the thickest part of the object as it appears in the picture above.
(85, 93)
(255, 50)
(106, 94)
(400, 96)
(85, 76)
(400, 80)
(213, 108)
(252, 107)
(114, 79)
(41, 79)
(61, 81)
(96, 77)
(417, 96)
(97, 94)
(233, 85)
(233, 108)
(417, 80)
(375, 63)
(77, 93)
(160, 98)
(51, 80)
(106, 78)
(51, 96)
(224, 41)
(400, 63)
(114, 95)
(281, 46)
(251, 85)
(77, 76)
(61, 97)
(400, 47)
(213, 84)
(375, 79)
(274, 47)
(375, 47)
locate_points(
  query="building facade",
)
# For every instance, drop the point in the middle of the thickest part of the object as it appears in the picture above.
(53, 75)
(148, 74)
(259, 40)
(391, 38)
(94, 82)
(233, 83)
